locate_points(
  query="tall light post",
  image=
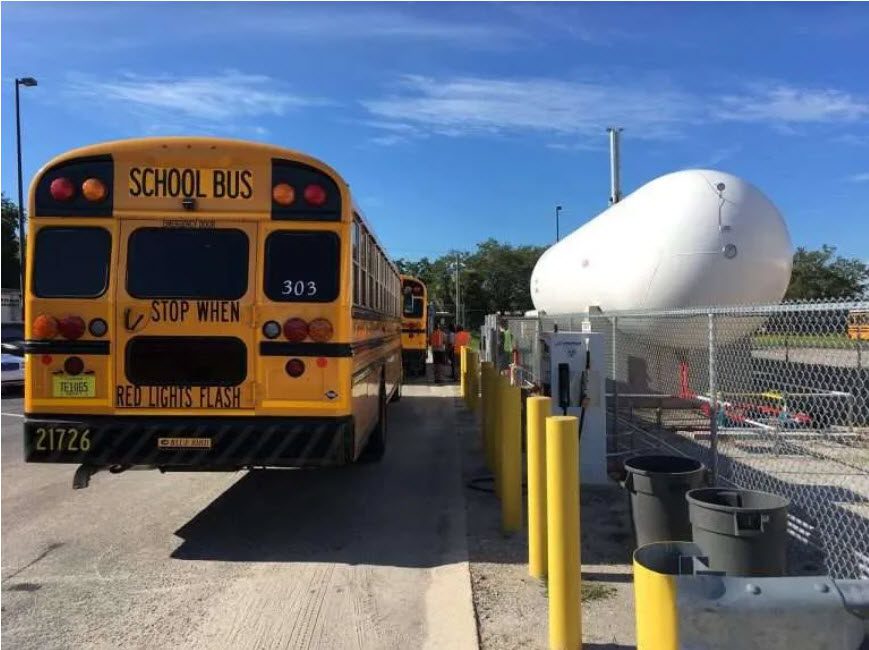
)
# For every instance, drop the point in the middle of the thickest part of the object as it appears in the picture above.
(557, 226)
(28, 82)
(458, 264)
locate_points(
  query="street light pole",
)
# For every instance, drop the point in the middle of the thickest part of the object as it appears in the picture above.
(557, 225)
(457, 288)
(27, 82)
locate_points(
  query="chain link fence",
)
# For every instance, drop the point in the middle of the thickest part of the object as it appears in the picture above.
(773, 398)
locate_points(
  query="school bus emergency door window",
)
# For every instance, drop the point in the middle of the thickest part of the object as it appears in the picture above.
(71, 262)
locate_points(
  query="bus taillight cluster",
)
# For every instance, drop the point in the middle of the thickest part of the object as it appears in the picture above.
(296, 330)
(285, 194)
(72, 328)
(62, 189)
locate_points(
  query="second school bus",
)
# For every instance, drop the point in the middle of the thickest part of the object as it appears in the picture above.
(204, 303)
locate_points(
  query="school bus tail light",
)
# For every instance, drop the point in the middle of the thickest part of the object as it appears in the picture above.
(73, 366)
(296, 330)
(71, 327)
(320, 330)
(98, 327)
(44, 327)
(62, 189)
(315, 195)
(295, 368)
(271, 329)
(94, 190)
(283, 194)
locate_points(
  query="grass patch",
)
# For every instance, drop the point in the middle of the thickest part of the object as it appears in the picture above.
(804, 341)
(596, 591)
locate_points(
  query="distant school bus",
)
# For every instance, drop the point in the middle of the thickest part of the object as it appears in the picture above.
(199, 303)
(414, 325)
(858, 325)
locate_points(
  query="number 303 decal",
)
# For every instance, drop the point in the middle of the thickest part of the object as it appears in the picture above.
(299, 288)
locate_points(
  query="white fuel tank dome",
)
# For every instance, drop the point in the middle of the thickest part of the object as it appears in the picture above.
(687, 239)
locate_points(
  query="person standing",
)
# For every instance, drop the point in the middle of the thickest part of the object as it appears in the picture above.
(438, 352)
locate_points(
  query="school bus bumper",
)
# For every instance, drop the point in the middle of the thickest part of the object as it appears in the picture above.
(195, 442)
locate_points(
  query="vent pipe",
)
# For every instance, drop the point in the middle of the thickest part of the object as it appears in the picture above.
(615, 182)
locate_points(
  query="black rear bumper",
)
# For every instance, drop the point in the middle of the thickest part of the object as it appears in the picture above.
(217, 442)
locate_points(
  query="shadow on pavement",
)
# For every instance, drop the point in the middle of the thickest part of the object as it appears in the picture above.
(405, 511)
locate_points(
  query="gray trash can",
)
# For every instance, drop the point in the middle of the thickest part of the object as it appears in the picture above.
(657, 485)
(743, 532)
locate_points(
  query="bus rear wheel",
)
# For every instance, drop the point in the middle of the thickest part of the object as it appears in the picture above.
(376, 446)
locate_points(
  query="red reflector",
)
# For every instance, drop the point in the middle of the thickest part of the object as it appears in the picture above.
(315, 194)
(296, 330)
(322, 362)
(71, 327)
(73, 366)
(46, 359)
(295, 368)
(62, 189)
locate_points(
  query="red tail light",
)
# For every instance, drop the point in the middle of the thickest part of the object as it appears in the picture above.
(296, 330)
(320, 330)
(61, 189)
(73, 366)
(71, 327)
(295, 368)
(315, 194)
(45, 327)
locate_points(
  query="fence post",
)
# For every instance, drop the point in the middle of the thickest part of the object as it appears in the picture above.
(538, 409)
(713, 404)
(511, 459)
(562, 517)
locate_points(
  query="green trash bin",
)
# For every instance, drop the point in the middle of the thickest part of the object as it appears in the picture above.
(657, 486)
(743, 532)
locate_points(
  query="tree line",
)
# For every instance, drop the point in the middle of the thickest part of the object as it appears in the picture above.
(495, 277)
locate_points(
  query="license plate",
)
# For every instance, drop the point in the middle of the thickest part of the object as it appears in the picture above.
(184, 443)
(67, 386)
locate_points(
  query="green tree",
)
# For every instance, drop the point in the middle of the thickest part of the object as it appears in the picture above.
(823, 274)
(495, 277)
(10, 252)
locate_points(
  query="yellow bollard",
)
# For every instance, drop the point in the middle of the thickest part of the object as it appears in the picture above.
(657, 615)
(562, 518)
(473, 379)
(537, 410)
(511, 460)
(463, 373)
(488, 397)
(498, 431)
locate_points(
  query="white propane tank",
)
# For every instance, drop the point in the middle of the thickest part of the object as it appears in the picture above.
(687, 239)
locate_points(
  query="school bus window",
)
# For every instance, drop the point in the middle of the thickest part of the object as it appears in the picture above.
(187, 263)
(71, 262)
(302, 266)
(355, 237)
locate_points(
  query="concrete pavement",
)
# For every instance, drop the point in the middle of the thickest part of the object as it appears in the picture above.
(371, 556)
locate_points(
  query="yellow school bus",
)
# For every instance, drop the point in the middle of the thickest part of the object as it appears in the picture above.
(858, 325)
(202, 303)
(414, 325)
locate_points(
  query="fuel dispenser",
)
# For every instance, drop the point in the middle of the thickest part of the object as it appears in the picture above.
(571, 369)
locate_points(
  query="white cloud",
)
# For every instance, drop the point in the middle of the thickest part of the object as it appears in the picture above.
(215, 99)
(575, 111)
(781, 103)
(474, 105)
(859, 178)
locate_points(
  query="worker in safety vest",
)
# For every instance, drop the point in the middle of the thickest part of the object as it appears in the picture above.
(463, 338)
(438, 351)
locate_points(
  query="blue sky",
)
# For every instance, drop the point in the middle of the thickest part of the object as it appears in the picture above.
(457, 122)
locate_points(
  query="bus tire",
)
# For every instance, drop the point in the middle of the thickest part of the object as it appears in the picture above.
(376, 446)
